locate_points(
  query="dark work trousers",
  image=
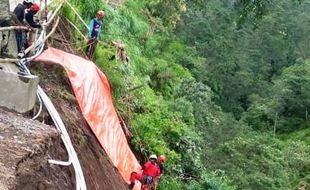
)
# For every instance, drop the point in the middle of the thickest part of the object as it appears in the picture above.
(21, 40)
(91, 48)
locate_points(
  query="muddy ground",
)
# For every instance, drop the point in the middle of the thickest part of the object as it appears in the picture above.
(100, 174)
(25, 147)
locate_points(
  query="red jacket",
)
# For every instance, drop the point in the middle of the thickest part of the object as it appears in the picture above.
(151, 169)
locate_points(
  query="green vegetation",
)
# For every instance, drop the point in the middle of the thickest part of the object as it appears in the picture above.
(222, 88)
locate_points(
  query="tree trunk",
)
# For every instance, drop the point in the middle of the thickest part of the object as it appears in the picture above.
(275, 124)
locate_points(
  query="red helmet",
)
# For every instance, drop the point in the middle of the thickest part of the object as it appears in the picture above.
(34, 8)
(162, 158)
(101, 13)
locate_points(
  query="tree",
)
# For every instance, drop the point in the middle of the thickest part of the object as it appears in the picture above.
(255, 9)
(169, 11)
(253, 161)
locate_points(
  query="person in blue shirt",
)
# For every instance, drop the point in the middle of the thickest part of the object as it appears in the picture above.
(95, 28)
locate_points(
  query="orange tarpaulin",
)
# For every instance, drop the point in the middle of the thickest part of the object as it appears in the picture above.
(94, 96)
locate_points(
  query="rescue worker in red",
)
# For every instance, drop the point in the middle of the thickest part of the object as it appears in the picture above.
(151, 171)
(161, 161)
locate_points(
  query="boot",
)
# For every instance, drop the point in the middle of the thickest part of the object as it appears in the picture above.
(130, 186)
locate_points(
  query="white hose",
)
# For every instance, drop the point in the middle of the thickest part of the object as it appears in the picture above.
(40, 108)
(80, 181)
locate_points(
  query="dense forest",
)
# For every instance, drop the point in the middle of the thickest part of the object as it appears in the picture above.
(221, 87)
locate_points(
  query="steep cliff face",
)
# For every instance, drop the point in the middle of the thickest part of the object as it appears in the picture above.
(99, 172)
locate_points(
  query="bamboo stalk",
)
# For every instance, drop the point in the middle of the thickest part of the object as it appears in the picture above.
(54, 14)
(13, 28)
(77, 14)
(76, 28)
(8, 60)
(52, 31)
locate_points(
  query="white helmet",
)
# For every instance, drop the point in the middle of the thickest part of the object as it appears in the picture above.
(29, 1)
(153, 156)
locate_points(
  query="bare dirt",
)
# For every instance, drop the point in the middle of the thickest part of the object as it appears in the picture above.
(99, 172)
(25, 147)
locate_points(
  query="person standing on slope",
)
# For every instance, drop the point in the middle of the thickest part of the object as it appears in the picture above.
(151, 171)
(95, 27)
(161, 161)
(19, 12)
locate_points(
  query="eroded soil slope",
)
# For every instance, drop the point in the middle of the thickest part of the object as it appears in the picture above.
(25, 147)
(99, 172)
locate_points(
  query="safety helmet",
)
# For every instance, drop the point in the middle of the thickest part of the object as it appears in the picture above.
(153, 157)
(34, 8)
(162, 158)
(101, 13)
(29, 1)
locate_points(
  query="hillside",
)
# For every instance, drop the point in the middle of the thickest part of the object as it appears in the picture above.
(221, 88)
